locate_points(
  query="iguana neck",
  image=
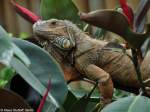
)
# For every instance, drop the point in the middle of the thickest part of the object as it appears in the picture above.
(83, 41)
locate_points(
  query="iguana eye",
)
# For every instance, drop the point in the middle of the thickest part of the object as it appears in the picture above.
(54, 22)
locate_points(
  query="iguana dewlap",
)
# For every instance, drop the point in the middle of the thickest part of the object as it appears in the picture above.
(96, 60)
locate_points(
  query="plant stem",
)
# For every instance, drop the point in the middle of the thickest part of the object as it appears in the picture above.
(90, 93)
(138, 71)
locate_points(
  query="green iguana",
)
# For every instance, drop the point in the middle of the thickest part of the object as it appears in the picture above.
(80, 56)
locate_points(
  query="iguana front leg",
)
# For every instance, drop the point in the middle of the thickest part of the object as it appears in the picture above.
(105, 83)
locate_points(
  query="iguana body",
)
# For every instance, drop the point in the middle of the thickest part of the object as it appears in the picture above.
(81, 56)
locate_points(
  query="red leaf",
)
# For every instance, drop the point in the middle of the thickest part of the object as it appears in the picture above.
(44, 97)
(25, 13)
(127, 11)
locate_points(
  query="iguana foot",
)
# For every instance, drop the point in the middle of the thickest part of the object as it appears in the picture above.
(106, 89)
(100, 106)
(147, 92)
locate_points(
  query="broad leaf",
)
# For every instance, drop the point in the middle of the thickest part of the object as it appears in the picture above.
(57, 9)
(83, 103)
(70, 100)
(27, 75)
(21, 55)
(80, 105)
(129, 104)
(43, 67)
(6, 50)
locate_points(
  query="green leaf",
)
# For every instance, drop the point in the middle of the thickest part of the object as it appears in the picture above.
(3, 83)
(29, 77)
(24, 35)
(6, 50)
(91, 107)
(70, 100)
(100, 33)
(129, 104)
(81, 91)
(57, 9)
(43, 67)
(21, 55)
(82, 104)
(5, 75)
(146, 47)
(120, 94)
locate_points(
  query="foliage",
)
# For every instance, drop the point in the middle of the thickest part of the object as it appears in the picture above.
(5, 75)
(43, 67)
(6, 50)
(37, 67)
(35, 71)
(100, 33)
(61, 9)
(23, 35)
(129, 104)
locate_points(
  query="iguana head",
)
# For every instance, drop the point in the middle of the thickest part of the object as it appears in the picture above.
(51, 29)
(56, 36)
